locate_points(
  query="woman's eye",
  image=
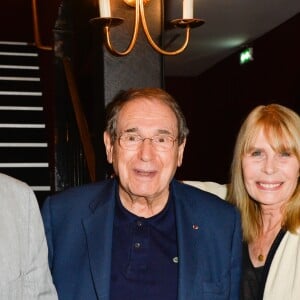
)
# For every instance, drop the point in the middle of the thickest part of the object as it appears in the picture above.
(285, 154)
(256, 153)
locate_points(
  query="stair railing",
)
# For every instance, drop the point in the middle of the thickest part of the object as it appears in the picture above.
(83, 129)
(36, 29)
(81, 120)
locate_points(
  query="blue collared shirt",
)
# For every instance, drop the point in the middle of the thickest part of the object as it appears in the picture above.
(144, 255)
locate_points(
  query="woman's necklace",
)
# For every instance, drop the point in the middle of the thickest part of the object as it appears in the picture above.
(266, 241)
(261, 257)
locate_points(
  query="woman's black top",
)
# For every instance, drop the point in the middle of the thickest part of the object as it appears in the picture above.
(254, 279)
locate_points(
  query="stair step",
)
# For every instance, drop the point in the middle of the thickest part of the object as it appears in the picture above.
(19, 71)
(12, 99)
(22, 117)
(18, 58)
(30, 84)
(21, 135)
(23, 154)
(29, 175)
(10, 46)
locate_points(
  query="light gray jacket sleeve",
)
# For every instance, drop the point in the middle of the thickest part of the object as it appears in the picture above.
(24, 271)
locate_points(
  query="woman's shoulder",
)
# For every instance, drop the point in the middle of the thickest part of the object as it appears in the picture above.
(209, 186)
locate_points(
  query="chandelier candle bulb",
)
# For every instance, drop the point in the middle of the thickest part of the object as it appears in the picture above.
(104, 6)
(187, 11)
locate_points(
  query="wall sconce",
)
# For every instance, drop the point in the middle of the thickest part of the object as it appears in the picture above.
(106, 21)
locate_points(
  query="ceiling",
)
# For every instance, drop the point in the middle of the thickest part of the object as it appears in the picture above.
(229, 25)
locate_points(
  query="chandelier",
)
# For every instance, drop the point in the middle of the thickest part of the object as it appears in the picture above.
(107, 21)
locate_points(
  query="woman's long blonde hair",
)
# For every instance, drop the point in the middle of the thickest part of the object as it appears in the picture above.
(281, 126)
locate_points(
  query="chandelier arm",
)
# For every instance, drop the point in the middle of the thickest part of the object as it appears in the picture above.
(133, 39)
(151, 41)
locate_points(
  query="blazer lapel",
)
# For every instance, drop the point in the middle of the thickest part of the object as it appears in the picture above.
(191, 255)
(98, 229)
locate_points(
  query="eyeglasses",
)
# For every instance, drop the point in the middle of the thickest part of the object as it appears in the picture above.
(161, 142)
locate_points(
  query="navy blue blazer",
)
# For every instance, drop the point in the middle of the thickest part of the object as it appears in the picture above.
(79, 224)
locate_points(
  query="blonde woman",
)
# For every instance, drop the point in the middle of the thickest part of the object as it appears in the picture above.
(265, 188)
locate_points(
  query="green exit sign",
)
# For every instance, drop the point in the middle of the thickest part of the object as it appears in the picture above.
(246, 55)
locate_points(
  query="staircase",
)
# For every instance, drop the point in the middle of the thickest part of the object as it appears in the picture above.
(23, 138)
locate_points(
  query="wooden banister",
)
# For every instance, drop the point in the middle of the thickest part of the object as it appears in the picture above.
(36, 29)
(81, 120)
(78, 111)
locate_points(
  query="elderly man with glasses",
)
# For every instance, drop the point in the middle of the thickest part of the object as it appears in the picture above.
(142, 234)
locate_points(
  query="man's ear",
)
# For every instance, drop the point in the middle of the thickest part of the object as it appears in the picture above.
(108, 146)
(180, 153)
